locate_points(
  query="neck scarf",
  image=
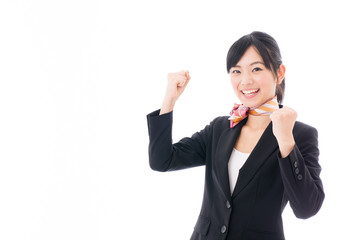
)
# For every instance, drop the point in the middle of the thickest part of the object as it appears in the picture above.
(240, 111)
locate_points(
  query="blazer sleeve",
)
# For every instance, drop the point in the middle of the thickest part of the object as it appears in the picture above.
(166, 156)
(300, 172)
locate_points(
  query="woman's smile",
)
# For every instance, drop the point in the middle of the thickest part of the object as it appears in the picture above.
(250, 93)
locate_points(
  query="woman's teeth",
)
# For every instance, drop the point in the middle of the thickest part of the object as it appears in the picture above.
(247, 92)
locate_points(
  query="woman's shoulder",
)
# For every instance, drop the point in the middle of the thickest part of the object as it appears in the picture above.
(304, 130)
(220, 122)
(303, 126)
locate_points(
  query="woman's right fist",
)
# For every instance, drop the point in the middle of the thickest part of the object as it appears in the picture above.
(177, 83)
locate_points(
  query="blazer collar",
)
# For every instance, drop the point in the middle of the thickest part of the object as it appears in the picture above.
(266, 145)
(223, 151)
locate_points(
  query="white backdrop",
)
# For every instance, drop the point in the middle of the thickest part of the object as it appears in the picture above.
(77, 79)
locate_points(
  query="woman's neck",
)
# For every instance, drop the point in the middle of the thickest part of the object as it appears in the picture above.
(258, 122)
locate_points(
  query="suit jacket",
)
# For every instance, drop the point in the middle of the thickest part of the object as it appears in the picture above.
(265, 183)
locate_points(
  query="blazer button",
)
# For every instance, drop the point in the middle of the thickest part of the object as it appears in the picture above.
(223, 229)
(295, 164)
(297, 170)
(299, 177)
(228, 205)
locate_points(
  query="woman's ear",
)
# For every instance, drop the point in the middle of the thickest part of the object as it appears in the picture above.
(281, 73)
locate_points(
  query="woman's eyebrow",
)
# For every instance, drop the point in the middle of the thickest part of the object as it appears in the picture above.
(257, 62)
(253, 63)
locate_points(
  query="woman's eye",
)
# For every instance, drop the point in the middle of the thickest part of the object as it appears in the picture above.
(236, 71)
(256, 69)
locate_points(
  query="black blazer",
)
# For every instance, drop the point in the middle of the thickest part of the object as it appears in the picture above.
(265, 184)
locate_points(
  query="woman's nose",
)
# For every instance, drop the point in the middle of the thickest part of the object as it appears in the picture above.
(246, 79)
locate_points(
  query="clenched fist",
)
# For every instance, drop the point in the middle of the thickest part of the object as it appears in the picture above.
(283, 121)
(176, 85)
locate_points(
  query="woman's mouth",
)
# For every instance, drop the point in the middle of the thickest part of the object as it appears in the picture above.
(250, 93)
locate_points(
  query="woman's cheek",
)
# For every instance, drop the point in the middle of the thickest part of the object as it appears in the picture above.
(234, 83)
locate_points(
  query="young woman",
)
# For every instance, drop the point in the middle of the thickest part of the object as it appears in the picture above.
(257, 160)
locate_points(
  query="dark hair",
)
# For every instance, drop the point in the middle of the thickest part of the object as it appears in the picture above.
(268, 49)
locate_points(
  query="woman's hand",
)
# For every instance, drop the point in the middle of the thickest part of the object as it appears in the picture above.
(283, 121)
(177, 83)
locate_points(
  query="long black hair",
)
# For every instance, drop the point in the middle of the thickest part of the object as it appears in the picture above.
(268, 49)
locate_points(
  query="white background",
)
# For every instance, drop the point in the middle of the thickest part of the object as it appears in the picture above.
(77, 79)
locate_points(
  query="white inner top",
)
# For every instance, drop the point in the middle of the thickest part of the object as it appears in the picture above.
(236, 161)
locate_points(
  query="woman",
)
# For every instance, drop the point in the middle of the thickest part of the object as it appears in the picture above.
(257, 160)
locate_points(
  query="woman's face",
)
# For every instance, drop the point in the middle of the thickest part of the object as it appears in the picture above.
(252, 82)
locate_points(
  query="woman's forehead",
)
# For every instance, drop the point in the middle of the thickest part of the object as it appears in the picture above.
(250, 57)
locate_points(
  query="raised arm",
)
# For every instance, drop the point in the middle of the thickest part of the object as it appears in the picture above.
(300, 172)
(166, 156)
(163, 154)
(299, 163)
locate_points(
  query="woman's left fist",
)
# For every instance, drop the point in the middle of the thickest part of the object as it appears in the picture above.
(283, 121)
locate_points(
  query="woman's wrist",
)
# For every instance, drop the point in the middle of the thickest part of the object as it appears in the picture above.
(167, 105)
(286, 147)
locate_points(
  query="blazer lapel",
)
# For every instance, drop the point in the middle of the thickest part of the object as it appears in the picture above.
(223, 151)
(265, 147)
